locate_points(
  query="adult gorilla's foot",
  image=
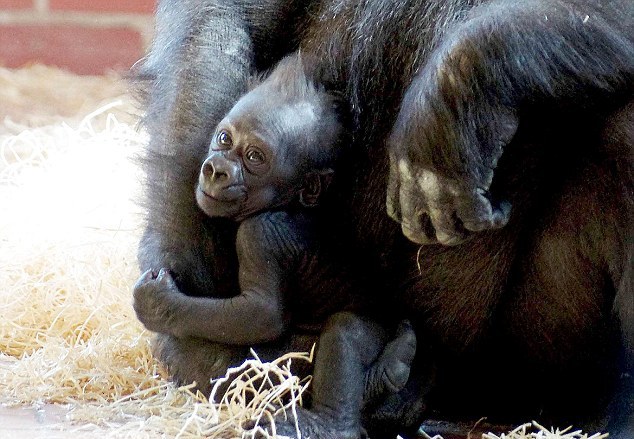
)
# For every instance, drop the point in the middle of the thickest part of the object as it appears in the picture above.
(310, 424)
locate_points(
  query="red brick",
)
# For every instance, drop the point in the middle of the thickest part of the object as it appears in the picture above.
(135, 6)
(80, 49)
(16, 4)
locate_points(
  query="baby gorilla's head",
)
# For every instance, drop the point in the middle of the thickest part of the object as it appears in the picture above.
(277, 145)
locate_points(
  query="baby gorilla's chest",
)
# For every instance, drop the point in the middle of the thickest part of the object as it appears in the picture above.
(319, 289)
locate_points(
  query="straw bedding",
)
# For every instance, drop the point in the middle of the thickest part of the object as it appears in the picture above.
(68, 235)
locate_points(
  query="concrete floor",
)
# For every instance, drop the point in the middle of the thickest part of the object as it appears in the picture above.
(45, 422)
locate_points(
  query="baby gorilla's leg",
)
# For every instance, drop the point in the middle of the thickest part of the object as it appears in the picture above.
(353, 358)
(390, 372)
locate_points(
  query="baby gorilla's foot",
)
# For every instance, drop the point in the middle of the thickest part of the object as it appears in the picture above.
(310, 424)
(390, 372)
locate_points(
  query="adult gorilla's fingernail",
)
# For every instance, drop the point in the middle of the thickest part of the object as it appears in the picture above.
(416, 236)
(477, 226)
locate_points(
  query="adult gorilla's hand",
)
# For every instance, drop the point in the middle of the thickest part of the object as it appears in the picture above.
(454, 122)
(461, 110)
(433, 208)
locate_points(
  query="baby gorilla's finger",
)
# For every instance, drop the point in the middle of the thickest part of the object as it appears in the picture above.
(166, 278)
(163, 274)
(148, 275)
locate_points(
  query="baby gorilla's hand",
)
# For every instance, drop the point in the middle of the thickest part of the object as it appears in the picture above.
(156, 301)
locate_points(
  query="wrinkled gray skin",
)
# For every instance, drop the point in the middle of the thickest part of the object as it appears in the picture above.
(505, 126)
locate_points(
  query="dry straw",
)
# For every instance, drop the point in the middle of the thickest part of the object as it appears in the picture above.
(535, 431)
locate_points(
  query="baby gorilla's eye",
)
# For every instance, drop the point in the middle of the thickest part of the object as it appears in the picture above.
(224, 139)
(255, 156)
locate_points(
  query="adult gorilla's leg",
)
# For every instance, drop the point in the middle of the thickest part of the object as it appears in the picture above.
(462, 109)
(619, 138)
(197, 68)
(576, 288)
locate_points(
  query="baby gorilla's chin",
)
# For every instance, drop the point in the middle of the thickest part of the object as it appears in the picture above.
(219, 208)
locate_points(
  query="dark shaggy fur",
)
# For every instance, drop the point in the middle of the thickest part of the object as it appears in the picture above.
(509, 124)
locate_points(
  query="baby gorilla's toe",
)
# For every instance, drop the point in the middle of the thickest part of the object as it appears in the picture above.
(398, 357)
(390, 372)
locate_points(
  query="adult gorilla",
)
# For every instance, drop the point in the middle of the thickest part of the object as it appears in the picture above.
(439, 90)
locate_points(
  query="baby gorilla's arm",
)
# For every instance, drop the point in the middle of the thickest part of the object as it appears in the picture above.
(265, 248)
(252, 317)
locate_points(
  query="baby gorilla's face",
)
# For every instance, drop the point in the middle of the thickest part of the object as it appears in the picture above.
(256, 156)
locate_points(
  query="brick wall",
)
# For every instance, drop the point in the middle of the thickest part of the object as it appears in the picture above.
(84, 36)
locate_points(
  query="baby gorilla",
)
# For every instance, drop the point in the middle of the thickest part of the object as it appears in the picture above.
(269, 164)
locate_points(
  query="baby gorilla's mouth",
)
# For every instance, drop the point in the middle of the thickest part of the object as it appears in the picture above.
(221, 200)
(227, 205)
(231, 194)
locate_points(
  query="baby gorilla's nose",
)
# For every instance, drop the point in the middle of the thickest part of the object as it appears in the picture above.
(218, 175)
(216, 169)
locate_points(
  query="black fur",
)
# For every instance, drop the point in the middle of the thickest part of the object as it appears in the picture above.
(269, 165)
(540, 92)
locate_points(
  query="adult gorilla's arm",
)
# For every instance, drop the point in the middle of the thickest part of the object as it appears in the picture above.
(198, 66)
(464, 105)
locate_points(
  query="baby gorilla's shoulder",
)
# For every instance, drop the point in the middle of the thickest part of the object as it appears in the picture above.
(270, 222)
(278, 231)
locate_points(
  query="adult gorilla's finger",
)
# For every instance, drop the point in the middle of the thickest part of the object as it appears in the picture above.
(415, 223)
(479, 213)
(393, 190)
(449, 230)
(405, 202)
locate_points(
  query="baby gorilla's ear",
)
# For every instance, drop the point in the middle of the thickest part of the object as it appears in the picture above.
(315, 184)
